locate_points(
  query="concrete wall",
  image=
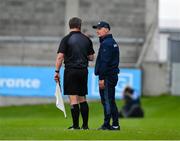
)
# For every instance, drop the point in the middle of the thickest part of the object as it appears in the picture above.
(155, 78)
(152, 29)
(46, 19)
(32, 17)
(18, 53)
(125, 16)
(7, 101)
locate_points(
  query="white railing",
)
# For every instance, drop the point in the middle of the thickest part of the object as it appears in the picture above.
(57, 39)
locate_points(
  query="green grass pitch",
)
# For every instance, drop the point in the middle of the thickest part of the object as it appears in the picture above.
(161, 121)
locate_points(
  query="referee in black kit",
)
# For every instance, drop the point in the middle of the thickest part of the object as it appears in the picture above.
(76, 50)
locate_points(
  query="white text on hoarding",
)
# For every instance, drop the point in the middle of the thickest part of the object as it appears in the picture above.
(20, 83)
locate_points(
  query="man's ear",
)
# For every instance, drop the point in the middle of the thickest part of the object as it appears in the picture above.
(107, 30)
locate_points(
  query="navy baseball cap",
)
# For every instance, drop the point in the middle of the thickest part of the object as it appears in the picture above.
(101, 24)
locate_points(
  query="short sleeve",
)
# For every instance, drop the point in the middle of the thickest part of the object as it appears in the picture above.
(62, 46)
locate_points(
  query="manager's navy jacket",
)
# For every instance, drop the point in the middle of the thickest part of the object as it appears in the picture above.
(108, 57)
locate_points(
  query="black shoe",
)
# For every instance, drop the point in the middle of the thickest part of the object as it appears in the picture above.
(73, 128)
(103, 127)
(115, 128)
(84, 128)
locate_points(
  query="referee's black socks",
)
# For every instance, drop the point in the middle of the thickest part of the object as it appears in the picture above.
(75, 115)
(84, 113)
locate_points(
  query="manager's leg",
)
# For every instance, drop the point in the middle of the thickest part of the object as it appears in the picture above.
(106, 108)
(114, 110)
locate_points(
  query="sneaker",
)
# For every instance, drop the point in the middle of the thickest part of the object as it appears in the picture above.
(115, 127)
(103, 127)
(84, 128)
(73, 128)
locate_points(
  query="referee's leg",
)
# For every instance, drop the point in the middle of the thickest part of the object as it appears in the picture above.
(74, 111)
(84, 109)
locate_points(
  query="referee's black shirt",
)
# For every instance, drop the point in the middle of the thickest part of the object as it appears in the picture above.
(76, 48)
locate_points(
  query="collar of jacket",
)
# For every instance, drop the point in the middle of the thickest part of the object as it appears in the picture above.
(75, 32)
(101, 39)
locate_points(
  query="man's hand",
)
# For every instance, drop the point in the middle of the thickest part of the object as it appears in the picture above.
(91, 57)
(101, 84)
(56, 77)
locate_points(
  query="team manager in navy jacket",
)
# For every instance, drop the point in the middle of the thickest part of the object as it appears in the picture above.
(107, 69)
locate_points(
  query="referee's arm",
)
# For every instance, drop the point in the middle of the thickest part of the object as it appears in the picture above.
(59, 60)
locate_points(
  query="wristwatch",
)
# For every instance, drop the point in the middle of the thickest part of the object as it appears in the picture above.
(57, 71)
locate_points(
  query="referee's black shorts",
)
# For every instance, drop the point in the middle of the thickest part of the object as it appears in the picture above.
(75, 82)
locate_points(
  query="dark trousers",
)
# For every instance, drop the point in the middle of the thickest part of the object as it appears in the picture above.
(108, 101)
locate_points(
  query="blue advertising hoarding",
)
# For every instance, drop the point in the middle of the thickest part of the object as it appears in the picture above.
(39, 81)
(130, 77)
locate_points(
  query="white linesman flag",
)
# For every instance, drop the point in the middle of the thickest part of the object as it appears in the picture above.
(59, 99)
